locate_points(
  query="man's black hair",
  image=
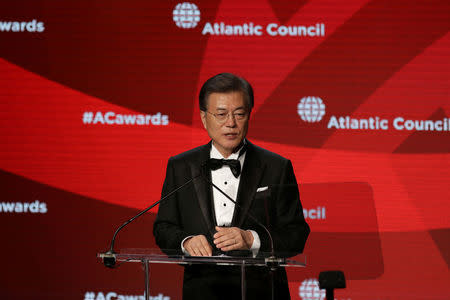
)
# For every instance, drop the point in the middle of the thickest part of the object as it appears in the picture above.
(225, 83)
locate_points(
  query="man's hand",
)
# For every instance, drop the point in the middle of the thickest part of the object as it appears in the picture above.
(232, 238)
(198, 246)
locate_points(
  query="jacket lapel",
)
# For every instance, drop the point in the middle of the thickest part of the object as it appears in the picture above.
(202, 187)
(250, 178)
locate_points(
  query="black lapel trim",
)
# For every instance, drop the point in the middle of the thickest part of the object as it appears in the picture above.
(203, 188)
(250, 178)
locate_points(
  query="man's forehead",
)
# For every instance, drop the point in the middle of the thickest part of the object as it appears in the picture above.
(233, 99)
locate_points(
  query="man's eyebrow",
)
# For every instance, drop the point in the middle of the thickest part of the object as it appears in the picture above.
(237, 108)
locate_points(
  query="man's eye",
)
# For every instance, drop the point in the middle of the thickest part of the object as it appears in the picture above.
(221, 115)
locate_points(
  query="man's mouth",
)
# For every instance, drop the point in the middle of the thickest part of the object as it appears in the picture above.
(231, 134)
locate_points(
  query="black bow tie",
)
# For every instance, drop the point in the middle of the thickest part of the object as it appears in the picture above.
(234, 164)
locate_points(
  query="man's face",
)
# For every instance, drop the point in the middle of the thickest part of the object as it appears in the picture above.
(226, 135)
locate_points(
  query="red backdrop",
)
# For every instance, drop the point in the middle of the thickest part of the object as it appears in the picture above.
(95, 96)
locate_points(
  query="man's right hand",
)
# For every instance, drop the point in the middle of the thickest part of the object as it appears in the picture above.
(198, 246)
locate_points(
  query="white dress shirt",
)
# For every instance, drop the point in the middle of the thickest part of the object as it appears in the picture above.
(223, 207)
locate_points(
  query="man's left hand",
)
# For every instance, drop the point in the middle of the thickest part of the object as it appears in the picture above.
(232, 238)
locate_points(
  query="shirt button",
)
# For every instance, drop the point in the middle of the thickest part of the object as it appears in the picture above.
(226, 182)
(224, 204)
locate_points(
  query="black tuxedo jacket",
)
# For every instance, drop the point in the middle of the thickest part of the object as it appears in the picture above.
(190, 211)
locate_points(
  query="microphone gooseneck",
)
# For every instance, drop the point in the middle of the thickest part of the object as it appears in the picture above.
(271, 259)
(109, 257)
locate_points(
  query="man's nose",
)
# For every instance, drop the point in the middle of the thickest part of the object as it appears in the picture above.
(231, 120)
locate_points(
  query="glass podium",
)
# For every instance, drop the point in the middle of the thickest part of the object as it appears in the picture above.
(156, 256)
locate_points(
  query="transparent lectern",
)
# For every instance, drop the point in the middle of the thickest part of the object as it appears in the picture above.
(156, 256)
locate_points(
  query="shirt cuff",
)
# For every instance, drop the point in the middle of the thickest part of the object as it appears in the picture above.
(182, 248)
(256, 243)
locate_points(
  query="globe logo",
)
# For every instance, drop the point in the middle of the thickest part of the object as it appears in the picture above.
(186, 15)
(311, 109)
(309, 290)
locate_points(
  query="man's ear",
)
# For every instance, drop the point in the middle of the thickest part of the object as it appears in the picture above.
(203, 117)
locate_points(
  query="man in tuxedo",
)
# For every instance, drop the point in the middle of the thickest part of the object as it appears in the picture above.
(199, 220)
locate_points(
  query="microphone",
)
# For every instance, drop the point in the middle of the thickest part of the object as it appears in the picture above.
(271, 261)
(109, 257)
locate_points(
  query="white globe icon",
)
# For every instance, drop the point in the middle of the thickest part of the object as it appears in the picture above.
(186, 15)
(311, 109)
(309, 290)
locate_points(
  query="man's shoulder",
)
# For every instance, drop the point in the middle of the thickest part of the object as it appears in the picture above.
(267, 154)
(193, 154)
